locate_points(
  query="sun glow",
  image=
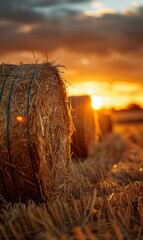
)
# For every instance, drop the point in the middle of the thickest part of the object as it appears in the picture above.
(96, 102)
(20, 118)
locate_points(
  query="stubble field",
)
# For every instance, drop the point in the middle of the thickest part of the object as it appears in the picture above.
(103, 198)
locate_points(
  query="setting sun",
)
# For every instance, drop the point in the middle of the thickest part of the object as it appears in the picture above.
(96, 102)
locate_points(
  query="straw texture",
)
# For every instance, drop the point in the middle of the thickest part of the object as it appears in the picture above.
(34, 132)
(83, 140)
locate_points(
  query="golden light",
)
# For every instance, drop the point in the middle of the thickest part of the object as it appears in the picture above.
(20, 119)
(26, 28)
(115, 166)
(96, 102)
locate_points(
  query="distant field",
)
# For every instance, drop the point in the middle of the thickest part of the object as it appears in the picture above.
(131, 131)
(123, 128)
(128, 116)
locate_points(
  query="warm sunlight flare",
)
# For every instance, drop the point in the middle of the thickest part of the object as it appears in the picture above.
(96, 102)
(20, 119)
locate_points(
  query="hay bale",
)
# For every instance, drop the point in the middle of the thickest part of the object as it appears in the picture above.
(34, 132)
(105, 124)
(83, 139)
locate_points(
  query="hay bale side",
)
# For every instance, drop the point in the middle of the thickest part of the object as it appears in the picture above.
(83, 139)
(34, 132)
(105, 124)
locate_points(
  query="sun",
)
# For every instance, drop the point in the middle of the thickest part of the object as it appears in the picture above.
(96, 102)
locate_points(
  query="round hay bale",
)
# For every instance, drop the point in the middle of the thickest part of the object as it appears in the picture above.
(83, 139)
(105, 124)
(34, 132)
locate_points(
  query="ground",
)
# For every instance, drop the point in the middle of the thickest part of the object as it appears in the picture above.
(103, 197)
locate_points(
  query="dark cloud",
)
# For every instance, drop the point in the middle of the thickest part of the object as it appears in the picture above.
(121, 33)
(56, 2)
(22, 15)
(30, 11)
(38, 3)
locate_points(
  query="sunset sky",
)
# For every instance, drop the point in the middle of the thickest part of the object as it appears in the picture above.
(99, 42)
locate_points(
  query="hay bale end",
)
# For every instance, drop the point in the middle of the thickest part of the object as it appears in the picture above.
(83, 139)
(105, 124)
(34, 132)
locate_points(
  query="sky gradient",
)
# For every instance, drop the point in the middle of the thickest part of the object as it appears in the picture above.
(99, 42)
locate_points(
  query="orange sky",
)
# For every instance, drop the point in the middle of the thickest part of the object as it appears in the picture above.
(116, 88)
(99, 43)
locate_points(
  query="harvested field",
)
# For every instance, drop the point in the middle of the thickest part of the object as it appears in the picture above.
(96, 205)
(35, 129)
(71, 134)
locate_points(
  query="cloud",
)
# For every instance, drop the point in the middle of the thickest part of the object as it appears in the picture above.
(70, 30)
(30, 11)
(38, 3)
(22, 15)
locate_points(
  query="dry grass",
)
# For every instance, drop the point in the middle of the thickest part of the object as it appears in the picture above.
(94, 206)
(118, 215)
(107, 153)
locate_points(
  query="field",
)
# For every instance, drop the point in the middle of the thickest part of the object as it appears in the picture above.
(103, 198)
